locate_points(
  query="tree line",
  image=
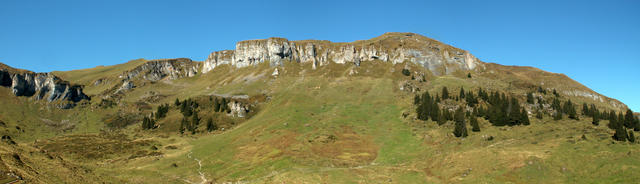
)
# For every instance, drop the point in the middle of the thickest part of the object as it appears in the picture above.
(501, 109)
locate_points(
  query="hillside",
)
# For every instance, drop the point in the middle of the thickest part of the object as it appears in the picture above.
(310, 111)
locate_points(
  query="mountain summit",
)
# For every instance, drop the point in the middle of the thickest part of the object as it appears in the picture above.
(390, 47)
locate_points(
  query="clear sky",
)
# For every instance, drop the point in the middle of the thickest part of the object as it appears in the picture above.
(594, 42)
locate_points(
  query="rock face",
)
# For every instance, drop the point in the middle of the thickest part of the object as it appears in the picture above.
(238, 109)
(156, 70)
(42, 86)
(390, 47)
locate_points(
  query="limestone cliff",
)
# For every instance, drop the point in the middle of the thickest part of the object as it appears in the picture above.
(41, 86)
(156, 70)
(390, 47)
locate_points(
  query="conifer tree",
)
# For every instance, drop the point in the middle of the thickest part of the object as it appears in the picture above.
(442, 118)
(468, 75)
(460, 129)
(637, 127)
(585, 109)
(445, 93)
(631, 137)
(462, 95)
(557, 116)
(621, 134)
(210, 125)
(540, 90)
(530, 98)
(183, 125)
(621, 119)
(474, 124)
(195, 121)
(216, 105)
(629, 119)
(524, 117)
(177, 102)
(459, 114)
(613, 120)
(595, 119)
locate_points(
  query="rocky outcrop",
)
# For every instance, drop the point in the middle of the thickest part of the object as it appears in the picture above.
(238, 109)
(391, 47)
(156, 70)
(41, 86)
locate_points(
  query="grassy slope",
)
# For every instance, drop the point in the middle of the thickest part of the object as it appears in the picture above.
(374, 143)
(286, 141)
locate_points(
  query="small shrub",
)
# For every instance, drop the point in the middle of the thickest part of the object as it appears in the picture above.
(406, 72)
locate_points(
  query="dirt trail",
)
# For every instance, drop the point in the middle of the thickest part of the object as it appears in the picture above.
(202, 177)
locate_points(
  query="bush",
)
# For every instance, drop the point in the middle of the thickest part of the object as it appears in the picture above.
(406, 72)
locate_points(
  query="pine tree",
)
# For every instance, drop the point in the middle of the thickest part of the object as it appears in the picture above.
(524, 117)
(462, 95)
(540, 90)
(613, 120)
(216, 105)
(585, 109)
(460, 129)
(468, 75)
(442, 118)
(183, 125)
(474, 124)
(631, 137)
(195, 121)
(445, 93)
(530, 98)
(556, 93)
(629, 119)
(177, 102)
(595, 119)
(637, 127)
(145, 123)
(557, 116)
(210, 125)
(621, 134)
(459, 115)
(556, 105)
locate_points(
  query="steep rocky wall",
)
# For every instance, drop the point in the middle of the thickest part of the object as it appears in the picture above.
(159, 69)
(41, 86)
(156, 70)
(391, 47)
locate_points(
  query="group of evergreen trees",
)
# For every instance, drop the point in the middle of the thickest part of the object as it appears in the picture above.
(503, 110)
(499, 109)
(148, 122)
(190, 119)
(220, 105)
(620, 123)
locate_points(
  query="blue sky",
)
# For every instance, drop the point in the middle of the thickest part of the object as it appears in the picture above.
(593, 42)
